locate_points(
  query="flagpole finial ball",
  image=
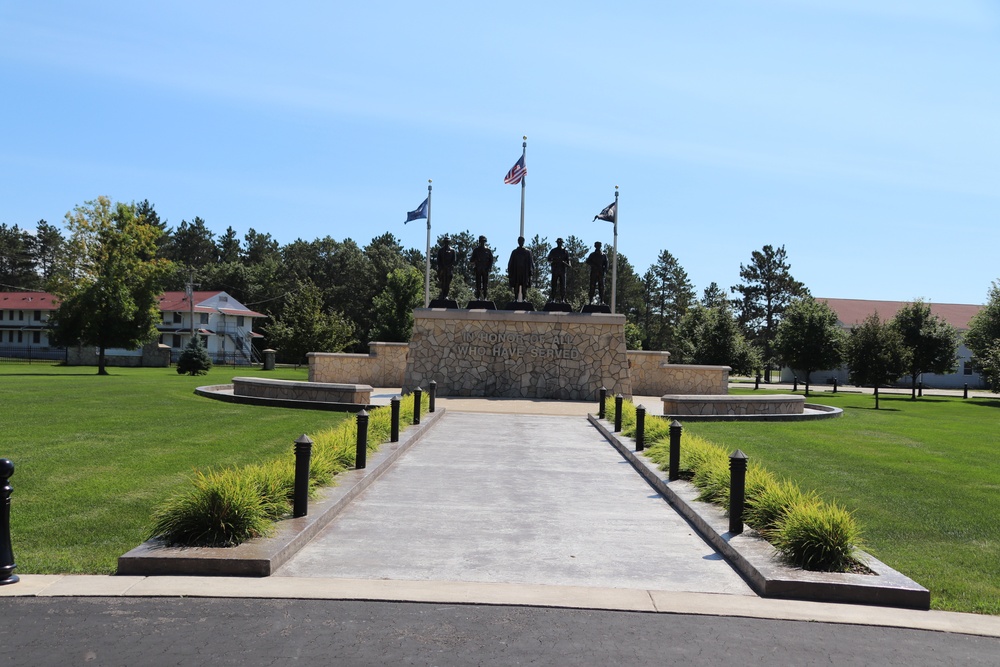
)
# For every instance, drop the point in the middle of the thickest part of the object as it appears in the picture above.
(616, 187)
(525, 137)
(430, 181)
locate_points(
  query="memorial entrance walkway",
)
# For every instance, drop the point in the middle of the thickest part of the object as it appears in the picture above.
(515, 498)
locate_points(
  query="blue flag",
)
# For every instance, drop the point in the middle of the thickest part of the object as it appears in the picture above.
(421, 212)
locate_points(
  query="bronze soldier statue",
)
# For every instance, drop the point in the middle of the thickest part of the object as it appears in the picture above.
(559, 261)
(482, 262)
(445, 266)
(520, 268)
(598, 263)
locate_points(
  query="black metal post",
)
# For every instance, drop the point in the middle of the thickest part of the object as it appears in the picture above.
(965, 392)
(600, 405)
(737, 490)
(300, 498)
(7, 565)
(640, 428)
(835, 385)
(876, 397)
(675, 451)
(416, 404)
(431, 395)
(920, 389)
(756, 382)
(795, 383)
(619, 399)
(361, 453)
(394, 421)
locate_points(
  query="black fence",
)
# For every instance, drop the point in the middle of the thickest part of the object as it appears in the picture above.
(26, 354)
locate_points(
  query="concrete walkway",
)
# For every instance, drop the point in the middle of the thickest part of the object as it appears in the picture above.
(521, 499)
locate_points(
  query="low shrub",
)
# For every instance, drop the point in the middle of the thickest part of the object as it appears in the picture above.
(227, 507)
(817, 536)
(222, 509)
(806, 531)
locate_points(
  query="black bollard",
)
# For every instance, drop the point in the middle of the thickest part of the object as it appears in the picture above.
(756, 382)
(416, 404)
(675, 451)
(965, 392)
(7, 565)
(300, 497)
(640, 428)
(920, 389)
(835, 385)
(795, 381)
(394, 421)
(431, 395)
(876, 397)
(619, 399)
(361, 453)
(737, 490)
(600, 405)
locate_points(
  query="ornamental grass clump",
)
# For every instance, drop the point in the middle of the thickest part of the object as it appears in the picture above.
(817, 536)
(227, 507)
(805, 531)
(222, 509)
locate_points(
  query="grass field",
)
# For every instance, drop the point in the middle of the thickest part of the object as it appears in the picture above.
(922, 477)
(93, 455)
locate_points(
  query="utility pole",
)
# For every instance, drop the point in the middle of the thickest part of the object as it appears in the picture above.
(189, 290)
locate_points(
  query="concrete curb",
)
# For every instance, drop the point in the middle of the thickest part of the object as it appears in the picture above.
(758, 561)
(261, 557)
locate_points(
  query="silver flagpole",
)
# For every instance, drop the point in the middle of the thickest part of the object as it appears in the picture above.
(427, 269)
(524, 152)
(614, 264)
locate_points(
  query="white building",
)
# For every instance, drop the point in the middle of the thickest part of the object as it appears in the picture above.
(851, 312)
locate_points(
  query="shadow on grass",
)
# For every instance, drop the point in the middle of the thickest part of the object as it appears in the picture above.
(985, 403)
(52, 375)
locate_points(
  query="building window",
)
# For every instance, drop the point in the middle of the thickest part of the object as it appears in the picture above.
(20, 336)
(204, 342)
(20, 315)
(38, 316)
(177, 341)
(36, 337)
(202, 318)
(969, 367)
(1, 315)
(10, 336)
(177, 318)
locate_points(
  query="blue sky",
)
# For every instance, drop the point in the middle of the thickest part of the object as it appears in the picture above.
(863, 135)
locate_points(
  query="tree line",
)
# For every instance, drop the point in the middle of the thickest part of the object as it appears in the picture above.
(334, 295)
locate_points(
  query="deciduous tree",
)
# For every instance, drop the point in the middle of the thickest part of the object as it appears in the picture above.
(809, 338)
(932, 342)
(110, 297)
(876, 354)
(305, 326)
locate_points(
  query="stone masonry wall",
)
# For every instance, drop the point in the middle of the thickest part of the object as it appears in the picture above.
(383, 366)
(518, 354)
(653, 376)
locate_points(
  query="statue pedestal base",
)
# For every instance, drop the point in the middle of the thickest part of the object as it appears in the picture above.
(443, 303)
(558, 307)
(599, 308)
(481, 305)
(520, 305)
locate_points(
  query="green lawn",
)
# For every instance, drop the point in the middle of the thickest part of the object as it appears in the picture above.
(93, 455)
(922, 477)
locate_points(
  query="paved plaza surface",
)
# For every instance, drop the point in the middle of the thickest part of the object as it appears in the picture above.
(516, 499)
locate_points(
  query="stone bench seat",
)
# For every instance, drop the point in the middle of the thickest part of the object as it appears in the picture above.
(294, 390)
(770, 404)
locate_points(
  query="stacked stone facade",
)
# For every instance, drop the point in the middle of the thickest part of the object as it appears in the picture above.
(383, 366)
(518, 354)
(653, 375)
(786, 404)
(291, 390)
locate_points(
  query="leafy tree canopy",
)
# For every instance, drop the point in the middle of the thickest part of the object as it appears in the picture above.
(110, 294)
(931, 342)
(875, 353)
(809, 338)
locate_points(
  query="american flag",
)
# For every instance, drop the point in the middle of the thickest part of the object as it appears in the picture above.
(516, 172)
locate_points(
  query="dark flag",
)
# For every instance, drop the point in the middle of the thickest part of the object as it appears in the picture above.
(607, 214)
(421, 212)
(516, 172)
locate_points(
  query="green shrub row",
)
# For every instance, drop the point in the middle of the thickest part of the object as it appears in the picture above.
(805, 530)
(223, 508)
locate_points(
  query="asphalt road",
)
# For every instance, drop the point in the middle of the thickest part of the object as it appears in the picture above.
(189, 631)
